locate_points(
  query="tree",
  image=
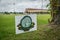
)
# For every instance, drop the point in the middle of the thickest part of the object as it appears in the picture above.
(14, 12)
(6, 13)
(55, 11)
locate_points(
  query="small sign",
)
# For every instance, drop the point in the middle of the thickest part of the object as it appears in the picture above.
(25, 23)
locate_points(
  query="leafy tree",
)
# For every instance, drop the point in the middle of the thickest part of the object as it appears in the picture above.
(55, 11)
(6, 13)
(14, 12)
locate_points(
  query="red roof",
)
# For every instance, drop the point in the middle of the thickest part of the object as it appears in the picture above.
(35, 9)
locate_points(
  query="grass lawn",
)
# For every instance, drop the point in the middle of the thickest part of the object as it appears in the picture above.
(7, 29)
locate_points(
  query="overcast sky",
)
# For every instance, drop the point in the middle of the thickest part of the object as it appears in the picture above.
(21, 5)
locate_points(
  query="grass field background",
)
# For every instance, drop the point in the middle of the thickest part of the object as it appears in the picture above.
(7, 28)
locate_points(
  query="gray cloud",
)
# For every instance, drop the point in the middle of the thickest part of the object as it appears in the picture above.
(20, 5)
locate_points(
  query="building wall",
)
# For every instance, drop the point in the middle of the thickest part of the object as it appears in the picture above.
(36, 11)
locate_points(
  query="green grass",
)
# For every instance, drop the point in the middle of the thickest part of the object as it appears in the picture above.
(43, 18)
(7, 28)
